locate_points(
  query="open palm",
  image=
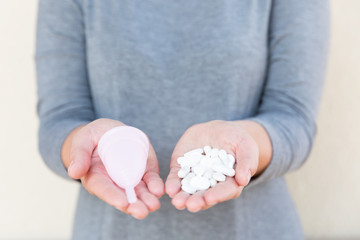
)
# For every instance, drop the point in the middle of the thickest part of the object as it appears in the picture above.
(223, 135)
(87, 166)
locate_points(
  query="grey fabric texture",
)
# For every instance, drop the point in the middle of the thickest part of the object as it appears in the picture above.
(163, 66)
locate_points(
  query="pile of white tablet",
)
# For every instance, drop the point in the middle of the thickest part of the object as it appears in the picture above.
(203, 168)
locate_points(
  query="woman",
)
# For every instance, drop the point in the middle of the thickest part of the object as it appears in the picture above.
(245, 76)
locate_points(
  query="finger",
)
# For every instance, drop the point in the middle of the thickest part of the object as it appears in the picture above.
(151, 177)
(247, 158)
(151, 201)
(152, 161)
(223, 191)
(106, 190)
(207, 206)
(138, 210)
(173, 182)
(82, 147)
(185, 144)
(154, 183)
(179, 200)
(196, 202)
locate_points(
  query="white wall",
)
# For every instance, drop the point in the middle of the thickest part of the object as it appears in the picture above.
(36, 204)
(327, 189)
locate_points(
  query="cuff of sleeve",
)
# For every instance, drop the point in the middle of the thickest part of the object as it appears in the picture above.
(281, 151)
(51, 140)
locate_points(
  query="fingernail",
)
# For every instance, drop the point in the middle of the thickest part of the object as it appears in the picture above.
(71, 166)
(249, 176)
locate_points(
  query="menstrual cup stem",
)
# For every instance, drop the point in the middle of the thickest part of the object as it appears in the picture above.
(131, 195)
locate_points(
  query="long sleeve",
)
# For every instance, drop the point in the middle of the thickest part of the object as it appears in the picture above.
(298, 46)
(64, 99)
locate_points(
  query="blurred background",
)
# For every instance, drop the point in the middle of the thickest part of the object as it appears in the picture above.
(36, 204)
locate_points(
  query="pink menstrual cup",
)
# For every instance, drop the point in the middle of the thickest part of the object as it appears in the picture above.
(124, 151)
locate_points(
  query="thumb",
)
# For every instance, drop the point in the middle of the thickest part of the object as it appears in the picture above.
(81, 151)
(247, 158)
(173, 182)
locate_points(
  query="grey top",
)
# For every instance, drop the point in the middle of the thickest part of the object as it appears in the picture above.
(163, 66)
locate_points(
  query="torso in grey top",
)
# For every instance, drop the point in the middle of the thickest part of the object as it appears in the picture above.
(162, 66)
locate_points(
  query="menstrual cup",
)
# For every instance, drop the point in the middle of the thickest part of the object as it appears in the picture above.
(124, 151)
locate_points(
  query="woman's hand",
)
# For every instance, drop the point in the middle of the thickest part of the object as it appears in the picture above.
(87, 166)
(234, 139)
